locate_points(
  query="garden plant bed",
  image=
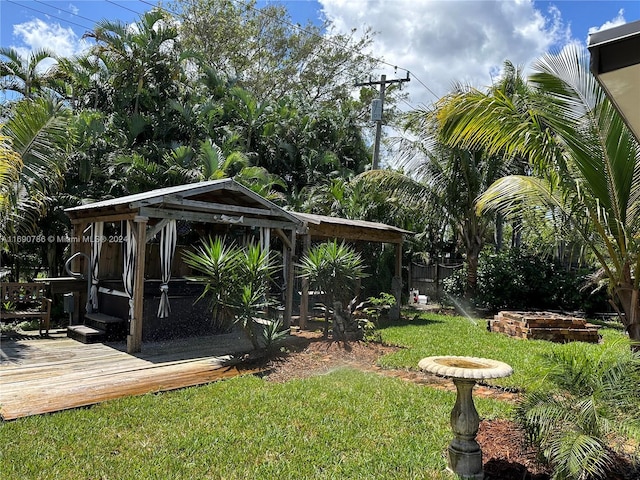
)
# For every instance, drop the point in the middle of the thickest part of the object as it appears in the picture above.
(505, 456)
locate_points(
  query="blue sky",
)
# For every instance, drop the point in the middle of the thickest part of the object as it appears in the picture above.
(440, 42)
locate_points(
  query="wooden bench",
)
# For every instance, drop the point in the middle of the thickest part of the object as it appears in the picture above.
(24, 301)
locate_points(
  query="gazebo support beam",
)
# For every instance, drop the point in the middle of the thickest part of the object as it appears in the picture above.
(134, 339)
(396, 284)
(304, 298)
(79, 265)
(288, 306)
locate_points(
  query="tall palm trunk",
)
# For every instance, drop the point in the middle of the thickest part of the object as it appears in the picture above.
(627, 294)
(472, 276)
(473, 239)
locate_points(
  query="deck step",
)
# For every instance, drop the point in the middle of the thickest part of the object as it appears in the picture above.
(115, 328)
(85, 334)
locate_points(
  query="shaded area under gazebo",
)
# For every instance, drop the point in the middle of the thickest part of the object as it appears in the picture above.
(110, 237)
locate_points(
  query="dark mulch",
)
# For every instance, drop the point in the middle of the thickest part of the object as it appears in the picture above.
(505, 455)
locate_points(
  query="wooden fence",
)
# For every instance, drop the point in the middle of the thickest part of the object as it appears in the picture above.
(427, 279)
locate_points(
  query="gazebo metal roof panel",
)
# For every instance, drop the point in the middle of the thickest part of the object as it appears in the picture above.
(325, 226)
(224, 196)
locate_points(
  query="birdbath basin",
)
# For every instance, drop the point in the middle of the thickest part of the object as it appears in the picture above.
(465, 456)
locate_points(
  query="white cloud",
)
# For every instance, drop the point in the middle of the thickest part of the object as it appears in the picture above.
(619, 20)
(447, 42)
(73, 9)
(37, 34)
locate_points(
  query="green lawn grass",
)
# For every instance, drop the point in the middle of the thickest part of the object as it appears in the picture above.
(344, 425)
(432, 334)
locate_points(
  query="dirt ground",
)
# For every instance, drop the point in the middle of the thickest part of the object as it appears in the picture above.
(505, 456)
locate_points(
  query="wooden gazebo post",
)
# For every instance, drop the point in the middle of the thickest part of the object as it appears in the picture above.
(288, 252)
(304, 298)
(288, 307)
(79, 265)
(134, 339)
(396, 284)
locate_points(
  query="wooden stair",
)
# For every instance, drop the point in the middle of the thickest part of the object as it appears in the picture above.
(98, 327)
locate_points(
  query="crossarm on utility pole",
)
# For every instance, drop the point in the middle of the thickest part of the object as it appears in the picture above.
(383, 84)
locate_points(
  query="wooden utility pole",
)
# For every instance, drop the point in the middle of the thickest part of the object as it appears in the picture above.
(377, 113)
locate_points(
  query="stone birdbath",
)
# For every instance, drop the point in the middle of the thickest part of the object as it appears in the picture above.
(465, 456)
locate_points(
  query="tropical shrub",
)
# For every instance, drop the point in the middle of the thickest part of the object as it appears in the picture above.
(515, 279)
(220, 266)
(236, 283)
(333, 269)
(376, 309)
(589, 411)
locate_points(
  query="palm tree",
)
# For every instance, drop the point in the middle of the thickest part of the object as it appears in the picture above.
(35, 148)
(249, 114)
(143, 61)
(24, 75)
(10, 168)
(38, 133)
(589, 407)
(260, 181)
(586, 160)
(82, 80)
(184, 165)
(454, 177)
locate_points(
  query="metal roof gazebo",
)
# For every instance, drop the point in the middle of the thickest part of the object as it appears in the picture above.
(146, 215)
(155, 212)
(321, 227)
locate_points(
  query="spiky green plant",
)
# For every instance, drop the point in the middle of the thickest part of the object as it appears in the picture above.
(236, 282)
(273, 333)
(219, 265)
(591, 408)
(333, 269)
(250, 307)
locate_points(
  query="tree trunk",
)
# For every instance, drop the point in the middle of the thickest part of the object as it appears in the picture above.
(472, 274)
(326, 315)
(339, 322)
(516, 234)
(627, 297)
(499, 232)
(473, 238)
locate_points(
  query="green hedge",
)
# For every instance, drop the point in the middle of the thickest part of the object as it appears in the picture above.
(514, 279)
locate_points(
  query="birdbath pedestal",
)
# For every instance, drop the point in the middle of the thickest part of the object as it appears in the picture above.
(465, 456)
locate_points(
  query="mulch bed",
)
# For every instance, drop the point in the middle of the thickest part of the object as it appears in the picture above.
(505, 454)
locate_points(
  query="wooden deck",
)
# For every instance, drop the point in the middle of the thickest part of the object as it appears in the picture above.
(43, 375)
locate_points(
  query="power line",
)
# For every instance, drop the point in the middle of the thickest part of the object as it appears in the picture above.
(158, 6)
(49, 15)
(407, 103)
(425, 86)
(63, 10)
(122, 6)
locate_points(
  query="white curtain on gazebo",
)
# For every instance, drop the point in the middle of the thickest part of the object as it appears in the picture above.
(168, 238)
(129, 263)
(97, 229)
(265, 239)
